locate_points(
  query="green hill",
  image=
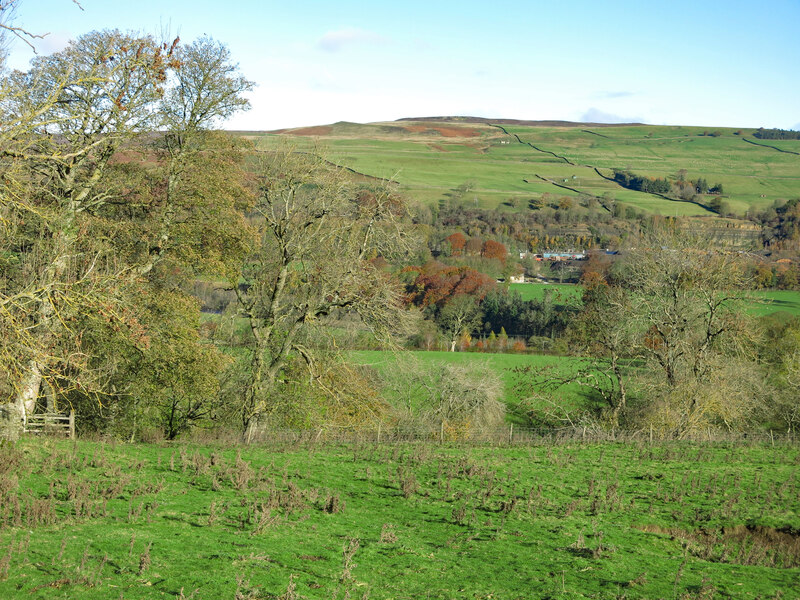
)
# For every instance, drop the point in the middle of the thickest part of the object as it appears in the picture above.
(504, 164)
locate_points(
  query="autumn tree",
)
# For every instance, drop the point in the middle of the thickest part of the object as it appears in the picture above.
(87, 221)
(434, 284)
(456, 241)
(63, 121)
(493, 249)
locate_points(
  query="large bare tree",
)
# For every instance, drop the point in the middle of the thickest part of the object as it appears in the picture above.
(315, 233)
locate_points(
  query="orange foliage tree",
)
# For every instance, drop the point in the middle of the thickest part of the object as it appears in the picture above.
(436, 283)
(492, 249)
(457, 242)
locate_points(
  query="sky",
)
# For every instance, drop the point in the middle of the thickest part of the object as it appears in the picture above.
(732, 63)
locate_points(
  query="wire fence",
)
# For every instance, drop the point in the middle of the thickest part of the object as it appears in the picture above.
(512, 435)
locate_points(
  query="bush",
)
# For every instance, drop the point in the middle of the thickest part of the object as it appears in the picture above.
(462, 399)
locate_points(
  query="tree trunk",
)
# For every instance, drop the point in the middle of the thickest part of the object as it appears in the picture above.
(11, 419)
(622, 400)
(29, 391)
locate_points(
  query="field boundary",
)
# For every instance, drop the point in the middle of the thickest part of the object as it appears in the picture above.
(773, 147)
(51, 424)
(512, 435)
(566, 160)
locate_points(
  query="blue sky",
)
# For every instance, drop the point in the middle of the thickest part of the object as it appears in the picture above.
(713, 63)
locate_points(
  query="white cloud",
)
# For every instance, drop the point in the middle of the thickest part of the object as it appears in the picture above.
(595, 115)
(334, 41)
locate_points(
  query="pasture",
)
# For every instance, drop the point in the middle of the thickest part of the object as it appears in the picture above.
(505, 170)
(561, 293)
(764, 302)
(757, 302)
(98, 520)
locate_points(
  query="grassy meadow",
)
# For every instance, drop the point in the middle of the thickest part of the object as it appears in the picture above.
(430, 160)
(95, 520)
(764, 302)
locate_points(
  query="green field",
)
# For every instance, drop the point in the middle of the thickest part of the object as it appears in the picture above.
(96, 521)
(562, 293)
(772, 301)
(503, 364)
(759, 303)
(430, 160)
(507, 366)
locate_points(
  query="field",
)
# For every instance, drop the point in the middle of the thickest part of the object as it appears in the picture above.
(561, 293)
(759, 303)
(507, 165)
(95, 520)
(771, 301)
(502, 364)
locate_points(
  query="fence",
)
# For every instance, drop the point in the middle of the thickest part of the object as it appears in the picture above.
(51, 424)
(511, 435)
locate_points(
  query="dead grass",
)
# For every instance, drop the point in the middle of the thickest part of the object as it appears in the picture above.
(739, 544)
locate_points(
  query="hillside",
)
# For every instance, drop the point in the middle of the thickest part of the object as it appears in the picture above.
(504, 163)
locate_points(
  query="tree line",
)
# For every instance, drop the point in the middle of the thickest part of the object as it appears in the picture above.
(776, 134)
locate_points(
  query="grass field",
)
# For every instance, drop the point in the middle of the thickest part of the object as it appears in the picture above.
(96, 521)
(430, 160)
(761, 302)
(771, 301)
(562, 293)
(571, 397)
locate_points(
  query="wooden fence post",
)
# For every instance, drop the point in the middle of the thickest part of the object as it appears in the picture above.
(511, 434)
(379, 432)
(441, 433)
(72, 424)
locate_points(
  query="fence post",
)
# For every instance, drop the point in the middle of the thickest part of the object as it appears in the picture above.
(651, 434)
(441, 433)
(511, 434)
(379, 432)
(72, 424)
(771, 438)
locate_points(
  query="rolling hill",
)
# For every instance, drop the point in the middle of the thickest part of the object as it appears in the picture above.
(504, 163)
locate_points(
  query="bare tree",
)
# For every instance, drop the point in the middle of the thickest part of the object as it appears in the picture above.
(314, 234)
(664, 341)
(465, 399)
